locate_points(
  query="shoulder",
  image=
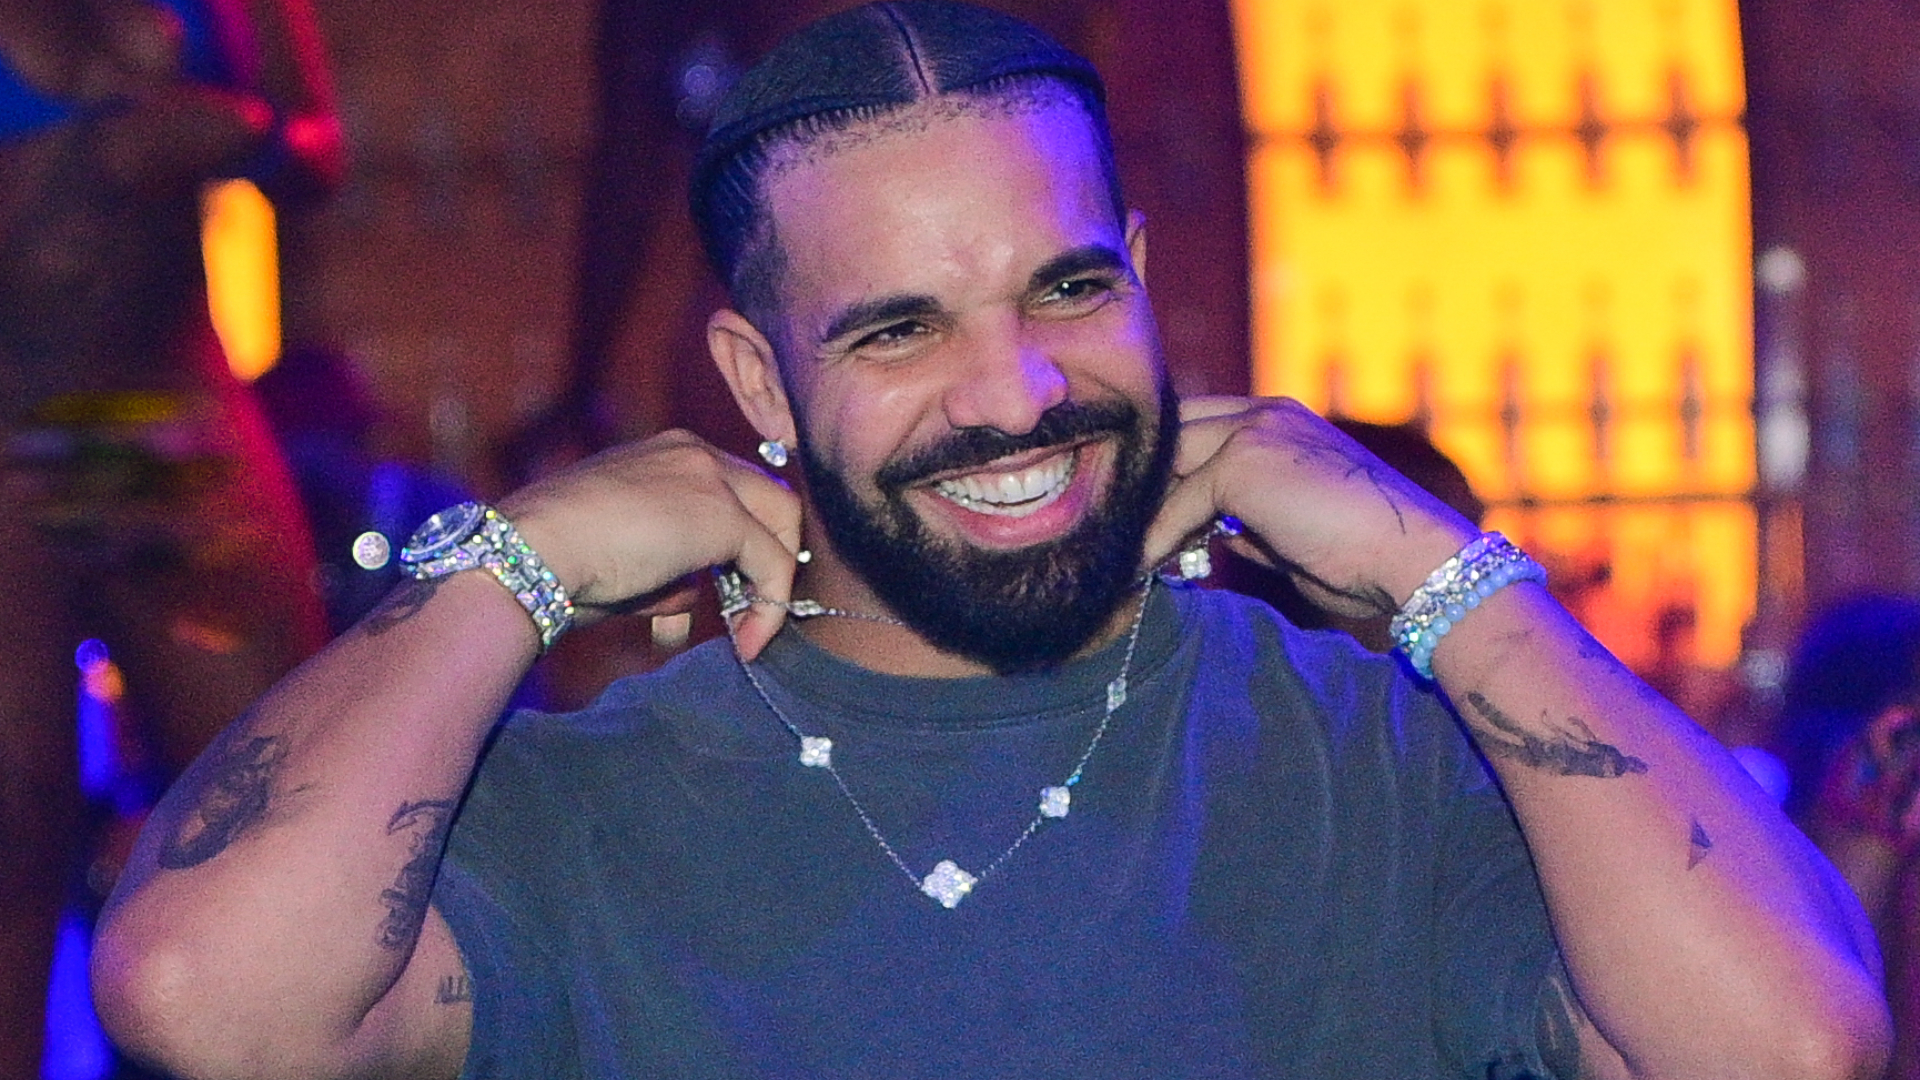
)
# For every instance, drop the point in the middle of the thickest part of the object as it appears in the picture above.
(1316, 684)
(631, 705)
(1238, 631)
(548, 782)
(681, 707)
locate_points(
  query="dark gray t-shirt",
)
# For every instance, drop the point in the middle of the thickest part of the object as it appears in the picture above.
(1283, 861)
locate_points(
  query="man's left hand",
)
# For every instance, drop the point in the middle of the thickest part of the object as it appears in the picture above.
(1355, 535)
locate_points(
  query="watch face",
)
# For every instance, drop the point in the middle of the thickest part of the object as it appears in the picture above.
(442, 532)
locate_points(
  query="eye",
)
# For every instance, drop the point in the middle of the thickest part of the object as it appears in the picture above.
(891, 334)
(1081, 292)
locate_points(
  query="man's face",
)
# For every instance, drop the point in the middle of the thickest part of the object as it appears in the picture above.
(975, 376)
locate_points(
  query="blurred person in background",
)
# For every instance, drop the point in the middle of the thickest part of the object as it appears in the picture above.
(1850, 735)
(141, 498)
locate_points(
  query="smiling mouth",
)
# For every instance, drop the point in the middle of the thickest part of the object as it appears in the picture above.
(1012, 494)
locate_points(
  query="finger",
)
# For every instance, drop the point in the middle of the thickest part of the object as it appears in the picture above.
(1192, 501)
(1201, 440)
(767, 556)
(1188, 508)
(768, 566)
(679, 598)
(770, 502)
(1208, 406)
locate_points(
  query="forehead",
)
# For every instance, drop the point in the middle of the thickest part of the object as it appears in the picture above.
(937, 191)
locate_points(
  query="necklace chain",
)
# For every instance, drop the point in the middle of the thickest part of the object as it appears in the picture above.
(947, 883)
(737, 596)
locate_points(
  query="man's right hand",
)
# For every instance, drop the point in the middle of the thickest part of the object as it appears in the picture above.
(624, 529)
(276, 917)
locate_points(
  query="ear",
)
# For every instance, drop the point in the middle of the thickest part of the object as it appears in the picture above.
(1893, 734)
(1137, 243)
(747, 361)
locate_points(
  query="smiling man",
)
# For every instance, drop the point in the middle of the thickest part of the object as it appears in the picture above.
(970, 793)
(985, 437)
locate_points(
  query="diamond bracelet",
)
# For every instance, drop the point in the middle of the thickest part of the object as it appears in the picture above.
(1486, 565)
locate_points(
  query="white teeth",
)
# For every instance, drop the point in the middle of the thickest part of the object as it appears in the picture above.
(1015, 494)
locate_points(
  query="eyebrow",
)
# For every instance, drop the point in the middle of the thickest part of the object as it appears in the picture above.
(1080, 260)
(882, 309)
(902, 306)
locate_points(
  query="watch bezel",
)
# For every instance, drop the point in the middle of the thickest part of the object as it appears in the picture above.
(443, 532)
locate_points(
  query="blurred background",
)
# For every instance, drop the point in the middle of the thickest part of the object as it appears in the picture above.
(1644, 269)
(1639, 267)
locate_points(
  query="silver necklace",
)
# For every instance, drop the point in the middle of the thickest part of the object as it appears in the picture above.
(736, 597)
(947, 883)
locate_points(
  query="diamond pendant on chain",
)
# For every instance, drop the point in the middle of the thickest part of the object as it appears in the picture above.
(816, 752)
(1054, 801)
(948, 883)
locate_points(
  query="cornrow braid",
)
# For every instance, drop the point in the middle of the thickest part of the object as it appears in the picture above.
(855, 69)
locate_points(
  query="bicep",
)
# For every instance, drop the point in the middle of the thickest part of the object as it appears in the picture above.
(424, 1025)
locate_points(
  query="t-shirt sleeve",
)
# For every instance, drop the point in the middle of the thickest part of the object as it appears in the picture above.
(522, 1024)
(1495, 954)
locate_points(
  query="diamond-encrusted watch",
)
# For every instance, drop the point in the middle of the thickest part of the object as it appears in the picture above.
(474, 536)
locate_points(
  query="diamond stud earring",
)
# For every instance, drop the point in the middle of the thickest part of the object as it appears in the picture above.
(774, 453)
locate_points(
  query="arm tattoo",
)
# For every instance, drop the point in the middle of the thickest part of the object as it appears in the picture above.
(426, 825)
(400, 605)
(1698, 844)
(1373, 477)
(232, 794)
(1571, 750)
(453, 990)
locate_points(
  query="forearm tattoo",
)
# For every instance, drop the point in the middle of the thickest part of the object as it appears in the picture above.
(233, 788)
(1568, 750)
(400, 605)
(425, 825)
(1698, 844)
(453, 990)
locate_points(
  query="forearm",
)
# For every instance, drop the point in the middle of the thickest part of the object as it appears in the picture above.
(277, 893)
(1703, 934)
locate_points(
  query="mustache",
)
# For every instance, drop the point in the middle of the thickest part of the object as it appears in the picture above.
(968, 447)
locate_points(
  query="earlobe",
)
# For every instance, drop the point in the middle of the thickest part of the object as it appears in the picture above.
(747, 362)
(1137, 242)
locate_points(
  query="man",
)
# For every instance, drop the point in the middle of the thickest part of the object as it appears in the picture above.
(1256, 852)
(1850, 731)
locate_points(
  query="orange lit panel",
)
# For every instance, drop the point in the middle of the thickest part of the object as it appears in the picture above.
(238, 243)
(1527, 224)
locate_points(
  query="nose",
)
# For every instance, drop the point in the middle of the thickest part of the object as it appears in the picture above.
(1004, 380)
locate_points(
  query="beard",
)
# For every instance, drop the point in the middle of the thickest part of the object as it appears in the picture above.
(1019, 610)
